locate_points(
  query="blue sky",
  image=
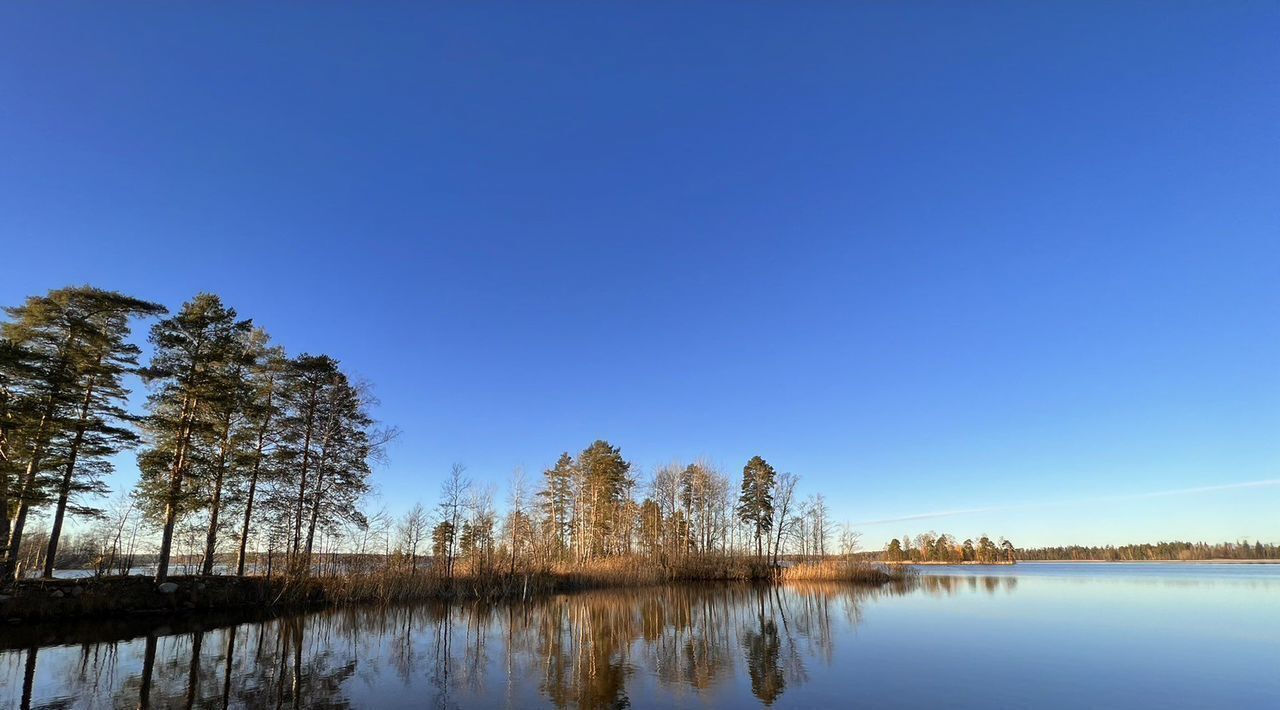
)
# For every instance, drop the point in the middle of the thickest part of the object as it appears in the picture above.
(931, 257)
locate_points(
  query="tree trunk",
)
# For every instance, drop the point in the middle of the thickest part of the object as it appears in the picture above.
(6, 459)
(514, 522)
(175, 489)
(59, 513)
(248, 511)
(302, 482)
(9, 570)
(211, 537)
(315, 516)
(318, 496)
(253, 479)
(777, 545)
(5, 526)
(64, 489)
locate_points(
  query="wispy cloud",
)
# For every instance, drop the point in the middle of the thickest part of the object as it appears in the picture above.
(1076, 501)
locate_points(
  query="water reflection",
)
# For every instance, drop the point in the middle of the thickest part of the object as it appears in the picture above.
(949, 585)
(732, 645)
(582, 650)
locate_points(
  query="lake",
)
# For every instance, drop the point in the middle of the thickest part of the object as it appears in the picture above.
(1031, 635)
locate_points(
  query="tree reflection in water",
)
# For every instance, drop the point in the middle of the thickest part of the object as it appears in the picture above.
(672, 644)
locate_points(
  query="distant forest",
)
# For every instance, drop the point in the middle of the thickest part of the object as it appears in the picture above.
(1170, 551)
(946, 548)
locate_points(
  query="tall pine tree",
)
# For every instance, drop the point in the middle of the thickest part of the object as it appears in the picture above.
(227, 432)
(187, 375)
(66, 356)
(755, 504)
(606, 476)
(557, 500)
(262, 427)
(327, 441)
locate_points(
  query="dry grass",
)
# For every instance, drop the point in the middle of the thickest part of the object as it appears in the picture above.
(468, 582)
(394, 585)
(846, 571)
(635, 570)
(388, 586)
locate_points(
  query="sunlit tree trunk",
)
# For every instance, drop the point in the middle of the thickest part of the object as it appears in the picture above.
(25, 493)
(215, 505)
(174, 491)
(64, 486)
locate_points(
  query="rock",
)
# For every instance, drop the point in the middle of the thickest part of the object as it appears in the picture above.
(4, 598)
(76, 591)
(167, 588)
(57, 594)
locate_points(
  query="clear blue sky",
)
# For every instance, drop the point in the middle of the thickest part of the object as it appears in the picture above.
(929, 256)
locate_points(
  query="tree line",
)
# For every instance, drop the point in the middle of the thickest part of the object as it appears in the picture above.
(591, 507)
(934, 547)
(1162, 551)
(235, 432)
(243, 447)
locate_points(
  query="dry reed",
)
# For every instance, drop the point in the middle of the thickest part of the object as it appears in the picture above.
(476, 582)
(846, 571)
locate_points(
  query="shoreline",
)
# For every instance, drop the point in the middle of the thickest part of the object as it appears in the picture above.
(1081, 562)
(1152, 562)
(184, 596)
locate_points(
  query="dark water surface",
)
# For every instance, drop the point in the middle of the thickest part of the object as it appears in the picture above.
(1034, 635)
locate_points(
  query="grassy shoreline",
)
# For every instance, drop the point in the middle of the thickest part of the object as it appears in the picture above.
(44, 599)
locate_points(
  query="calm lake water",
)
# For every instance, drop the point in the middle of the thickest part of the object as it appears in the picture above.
(1033, 635)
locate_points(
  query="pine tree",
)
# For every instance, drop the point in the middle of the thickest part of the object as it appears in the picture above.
(557, 500)
(442, 538)
(17, 366)
(64, 366)
(651, 527)
(986, 552)
(755, 504)
(187, 373)
(227, 412)
(302, 395)
(262, 415)
(606, 477)
(326, 444)
(347, 446)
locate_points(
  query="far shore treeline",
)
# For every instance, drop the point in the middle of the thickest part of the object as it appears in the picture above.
(1159, 551)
